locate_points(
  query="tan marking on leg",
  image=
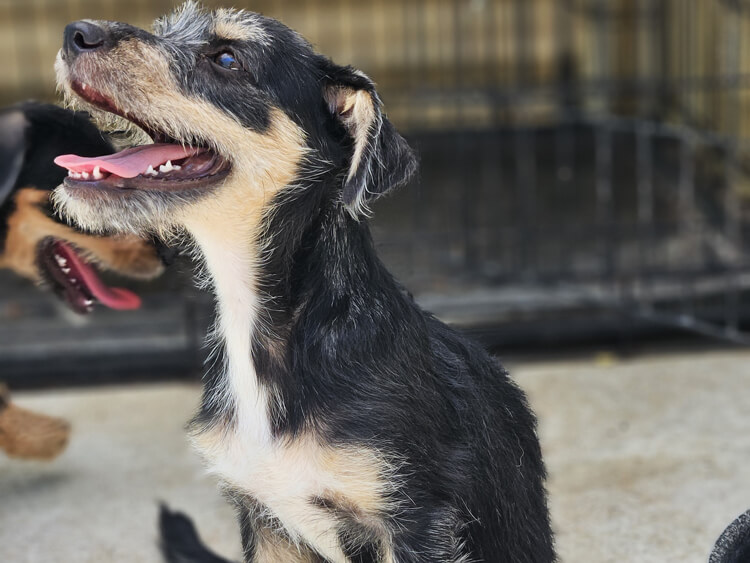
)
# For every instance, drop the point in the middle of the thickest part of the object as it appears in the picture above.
(28, 225)
(274, 548)
(287, 476)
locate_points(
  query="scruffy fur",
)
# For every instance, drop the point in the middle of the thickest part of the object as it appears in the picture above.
(346, 424)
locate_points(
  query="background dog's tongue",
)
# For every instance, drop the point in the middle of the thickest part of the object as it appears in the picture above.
(112, 297)
(128, 163)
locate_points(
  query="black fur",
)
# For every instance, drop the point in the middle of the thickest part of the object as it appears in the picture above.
(364, 365)
(180, 542)
(353, 359)
(48, 131)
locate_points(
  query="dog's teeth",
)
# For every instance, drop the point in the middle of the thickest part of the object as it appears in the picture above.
(176, 167)
(98, 173)
(166, 167)
(70, 173)
(65, 270)
(85, 175)
(74, 280)
(84, 86)
(62, 262)
(88, 302)
(150, 171)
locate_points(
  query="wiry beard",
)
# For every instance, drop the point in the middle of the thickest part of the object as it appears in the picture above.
(141, 213)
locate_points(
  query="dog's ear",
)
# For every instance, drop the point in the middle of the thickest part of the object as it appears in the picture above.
(380, 159)
(13, 127)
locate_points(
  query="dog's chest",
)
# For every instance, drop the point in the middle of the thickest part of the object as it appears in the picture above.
(289, 477)
(273, 472)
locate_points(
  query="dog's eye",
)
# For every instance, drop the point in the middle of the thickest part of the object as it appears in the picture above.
(227, 60)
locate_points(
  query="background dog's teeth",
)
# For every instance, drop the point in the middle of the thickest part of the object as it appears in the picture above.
(65, 270)
(60, 260)
(88, 302)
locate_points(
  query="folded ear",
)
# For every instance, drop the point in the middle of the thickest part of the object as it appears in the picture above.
(13, 126)
(380, 159)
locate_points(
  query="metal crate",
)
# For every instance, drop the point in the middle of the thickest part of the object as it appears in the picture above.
(578, 156)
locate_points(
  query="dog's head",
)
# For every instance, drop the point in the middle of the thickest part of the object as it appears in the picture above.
(238, 107)
(34, 242)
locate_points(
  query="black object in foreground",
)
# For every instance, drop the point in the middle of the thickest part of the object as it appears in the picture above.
(179, 541)
(733, 546)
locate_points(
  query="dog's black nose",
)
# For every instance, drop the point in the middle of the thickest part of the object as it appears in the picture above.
(82, 37)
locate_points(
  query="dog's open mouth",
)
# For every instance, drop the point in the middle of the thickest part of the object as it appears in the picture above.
(77, 282)
(166, 165)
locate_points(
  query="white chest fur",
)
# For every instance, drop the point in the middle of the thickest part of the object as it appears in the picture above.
(283, 477)
(286, 476)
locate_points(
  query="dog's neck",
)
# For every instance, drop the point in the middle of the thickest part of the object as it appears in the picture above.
(304, 266)
(231, 262)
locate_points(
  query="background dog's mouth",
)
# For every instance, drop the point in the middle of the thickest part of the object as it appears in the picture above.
(166, 165)
(77, 282)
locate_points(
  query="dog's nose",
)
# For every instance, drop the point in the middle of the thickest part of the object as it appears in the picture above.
(83, 37)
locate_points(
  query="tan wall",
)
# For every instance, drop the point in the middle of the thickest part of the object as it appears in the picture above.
(445, 63)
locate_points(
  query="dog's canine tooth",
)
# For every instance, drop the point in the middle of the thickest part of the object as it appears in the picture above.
(150, 171)
(98, 173)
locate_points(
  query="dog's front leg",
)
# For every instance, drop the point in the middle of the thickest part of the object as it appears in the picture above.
(263, 541)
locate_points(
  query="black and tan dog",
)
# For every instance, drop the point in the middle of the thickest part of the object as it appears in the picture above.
(37, 245)
(344, 422)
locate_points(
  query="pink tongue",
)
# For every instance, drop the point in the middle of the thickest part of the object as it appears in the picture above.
(113, 297)
(128, 163)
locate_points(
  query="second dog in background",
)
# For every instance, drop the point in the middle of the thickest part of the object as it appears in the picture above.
(34, 242)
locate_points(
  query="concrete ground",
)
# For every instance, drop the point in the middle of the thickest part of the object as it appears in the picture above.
(648, 462)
